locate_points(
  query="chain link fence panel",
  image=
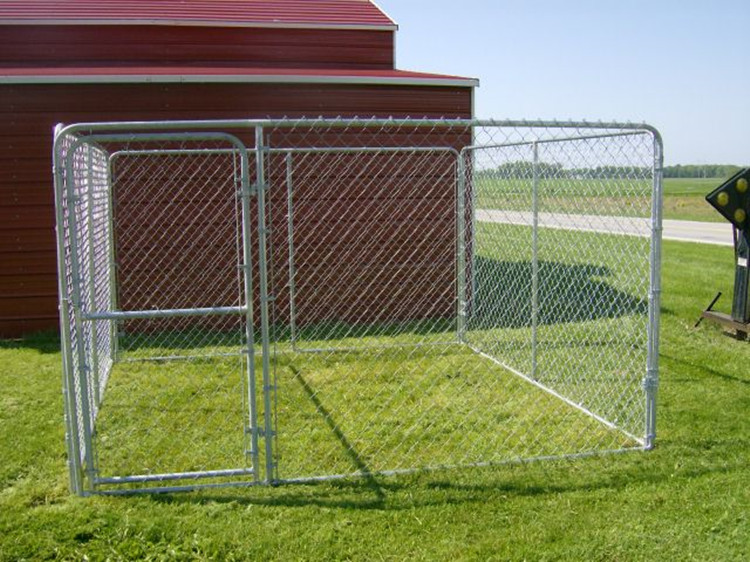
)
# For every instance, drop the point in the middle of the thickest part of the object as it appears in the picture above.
(311, 299)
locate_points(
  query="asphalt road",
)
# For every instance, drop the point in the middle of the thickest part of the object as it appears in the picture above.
(718, 233)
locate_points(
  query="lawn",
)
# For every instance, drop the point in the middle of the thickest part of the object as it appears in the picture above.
(401, 394)
(688, 498)
(684, 199)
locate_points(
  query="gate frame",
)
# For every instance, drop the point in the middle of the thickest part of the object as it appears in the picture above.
(70, 307)
(206, 130)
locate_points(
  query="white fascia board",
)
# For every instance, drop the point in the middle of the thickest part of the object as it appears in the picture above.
(199, 23)
(386, 14)
(234, 79)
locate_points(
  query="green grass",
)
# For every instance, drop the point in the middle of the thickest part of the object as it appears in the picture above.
(684, 198)
(687, 499)
(397, 396)
(692, 187)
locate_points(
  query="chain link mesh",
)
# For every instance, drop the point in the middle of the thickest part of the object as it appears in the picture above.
(177, 403)
(85, 208)
(430, 327)
(438, 294)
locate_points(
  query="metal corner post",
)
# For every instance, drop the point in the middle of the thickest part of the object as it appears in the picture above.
(535, 262)
(472, 232)
(260, 155)
(68, 382)
(651, 380)
(77, 316)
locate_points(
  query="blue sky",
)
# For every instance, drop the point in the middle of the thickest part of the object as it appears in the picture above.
(682, 66)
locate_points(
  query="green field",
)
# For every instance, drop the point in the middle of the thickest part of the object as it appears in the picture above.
(684, 198)
(687, 499)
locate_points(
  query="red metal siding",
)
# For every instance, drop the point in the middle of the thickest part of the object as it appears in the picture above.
(374, 236)
(117, 46)
(28, 114)
(228, 12)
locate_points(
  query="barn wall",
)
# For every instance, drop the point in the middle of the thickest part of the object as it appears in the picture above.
(28, 113)
(123, 45)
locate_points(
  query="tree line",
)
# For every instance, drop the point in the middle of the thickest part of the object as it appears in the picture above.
(700, 170)
(546, 170)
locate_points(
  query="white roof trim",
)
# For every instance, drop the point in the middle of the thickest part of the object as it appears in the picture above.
(199, 23)
(235, 79)
(382, 11)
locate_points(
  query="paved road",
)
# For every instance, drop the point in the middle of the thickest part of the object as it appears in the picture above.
(705, 232)
(686, 231)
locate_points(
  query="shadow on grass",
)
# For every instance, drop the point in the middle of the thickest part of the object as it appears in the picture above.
(709, 370)
(568, 293)
(43, 342)
(368, 478)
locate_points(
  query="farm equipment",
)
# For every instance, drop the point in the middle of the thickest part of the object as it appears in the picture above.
(732, 200)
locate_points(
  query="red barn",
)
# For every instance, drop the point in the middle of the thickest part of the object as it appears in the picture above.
(81, 60)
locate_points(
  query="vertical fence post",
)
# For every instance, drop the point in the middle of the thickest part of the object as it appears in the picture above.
(83, 363)
(94, 351)
(472, 245)
(247, 280)
(651, 381)
(290, 242)
(260, 155)
(535, 261)
(112, 261)
(461, 249)
(69, 399)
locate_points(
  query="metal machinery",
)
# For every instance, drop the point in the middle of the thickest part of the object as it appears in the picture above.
(732, 200)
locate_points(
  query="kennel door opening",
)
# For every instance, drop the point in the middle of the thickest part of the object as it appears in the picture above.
(179, 401)
(178, 222)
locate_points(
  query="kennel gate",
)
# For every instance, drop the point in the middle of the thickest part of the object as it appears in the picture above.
(298, 300)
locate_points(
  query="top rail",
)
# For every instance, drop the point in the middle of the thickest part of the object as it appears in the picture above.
(349, 122)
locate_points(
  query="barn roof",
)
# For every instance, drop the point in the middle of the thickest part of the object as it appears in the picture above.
(342, 14)
(160, 74)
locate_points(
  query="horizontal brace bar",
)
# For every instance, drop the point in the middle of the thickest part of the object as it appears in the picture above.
(436, 468)
(299, 347)
(173, 152)
(165, 313)
(174, 476)
(162, 358)
(169, 489)
(358, 149)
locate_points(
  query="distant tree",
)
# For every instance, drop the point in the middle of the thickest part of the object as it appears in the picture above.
(547, 170)
(525, 169)
(700, 170)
